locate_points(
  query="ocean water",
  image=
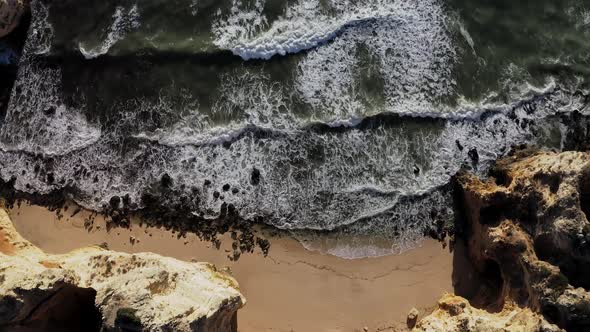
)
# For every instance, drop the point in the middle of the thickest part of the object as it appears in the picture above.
(341, 121)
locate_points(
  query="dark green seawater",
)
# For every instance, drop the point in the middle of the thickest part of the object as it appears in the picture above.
(341, 121)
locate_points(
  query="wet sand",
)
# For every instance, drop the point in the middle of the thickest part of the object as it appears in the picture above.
(290, 290)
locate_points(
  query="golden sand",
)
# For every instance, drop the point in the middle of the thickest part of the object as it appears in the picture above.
(290, 290)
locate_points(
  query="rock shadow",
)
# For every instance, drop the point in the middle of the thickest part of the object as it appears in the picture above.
(68, 309)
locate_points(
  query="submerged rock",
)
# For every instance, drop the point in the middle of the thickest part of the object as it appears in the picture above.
(93, 289)
(11, 12)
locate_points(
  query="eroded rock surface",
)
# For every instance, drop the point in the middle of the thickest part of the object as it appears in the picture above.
(11, 12)
(528, 238)
(93, 289)
(528, 228)
(454, 313)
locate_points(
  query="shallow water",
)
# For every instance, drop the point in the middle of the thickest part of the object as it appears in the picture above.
(355, 114)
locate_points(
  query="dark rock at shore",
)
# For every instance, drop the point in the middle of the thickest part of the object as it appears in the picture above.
(578, 135)
(255, 177)
(171, 209)
(474, 156)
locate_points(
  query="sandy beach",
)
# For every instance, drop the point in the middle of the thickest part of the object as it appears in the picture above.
(290, 290)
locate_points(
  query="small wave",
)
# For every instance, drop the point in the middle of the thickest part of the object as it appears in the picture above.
(354, 249)
(265, 47)
(394, 231)
(303, 26)
(220, 136)
(123, 23)
(181, 135)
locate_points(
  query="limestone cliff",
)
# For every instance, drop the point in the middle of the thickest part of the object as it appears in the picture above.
(528, 238)
(93, 289)
(11, 12)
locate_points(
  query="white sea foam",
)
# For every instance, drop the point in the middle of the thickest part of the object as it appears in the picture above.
(409, 46)
(580, 14)
(124, 21)
(326, 181)
(408, 50)
(309, 180)
(41, 31)
(467, 38)
(44, 124)
(254, 104)
(381, 180)
(304, 25)
(194, 6)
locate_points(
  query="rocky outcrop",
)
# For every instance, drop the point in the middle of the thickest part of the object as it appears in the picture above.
(454, 313)
(93, 289)
(528, 238)
(11, 12)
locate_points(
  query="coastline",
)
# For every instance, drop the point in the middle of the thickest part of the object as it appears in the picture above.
(368, 130)
(292, 289)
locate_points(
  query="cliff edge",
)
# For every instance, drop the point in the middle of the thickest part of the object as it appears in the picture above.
(527, 237)
(93, 289)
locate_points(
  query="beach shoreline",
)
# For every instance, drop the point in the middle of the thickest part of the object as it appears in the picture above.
(292, 289)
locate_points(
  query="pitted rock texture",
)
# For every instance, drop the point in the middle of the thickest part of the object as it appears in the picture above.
(454, 313)
(93, 289)
(11, 12)
(528, 235)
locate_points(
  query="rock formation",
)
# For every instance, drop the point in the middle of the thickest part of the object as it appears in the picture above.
(528, 237)
(454, 313)
(11, 12)
(93, 289)
(412, 317)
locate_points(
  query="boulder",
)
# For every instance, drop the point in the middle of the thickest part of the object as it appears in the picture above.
(412, 317)
(11, 12)
(93, 289)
